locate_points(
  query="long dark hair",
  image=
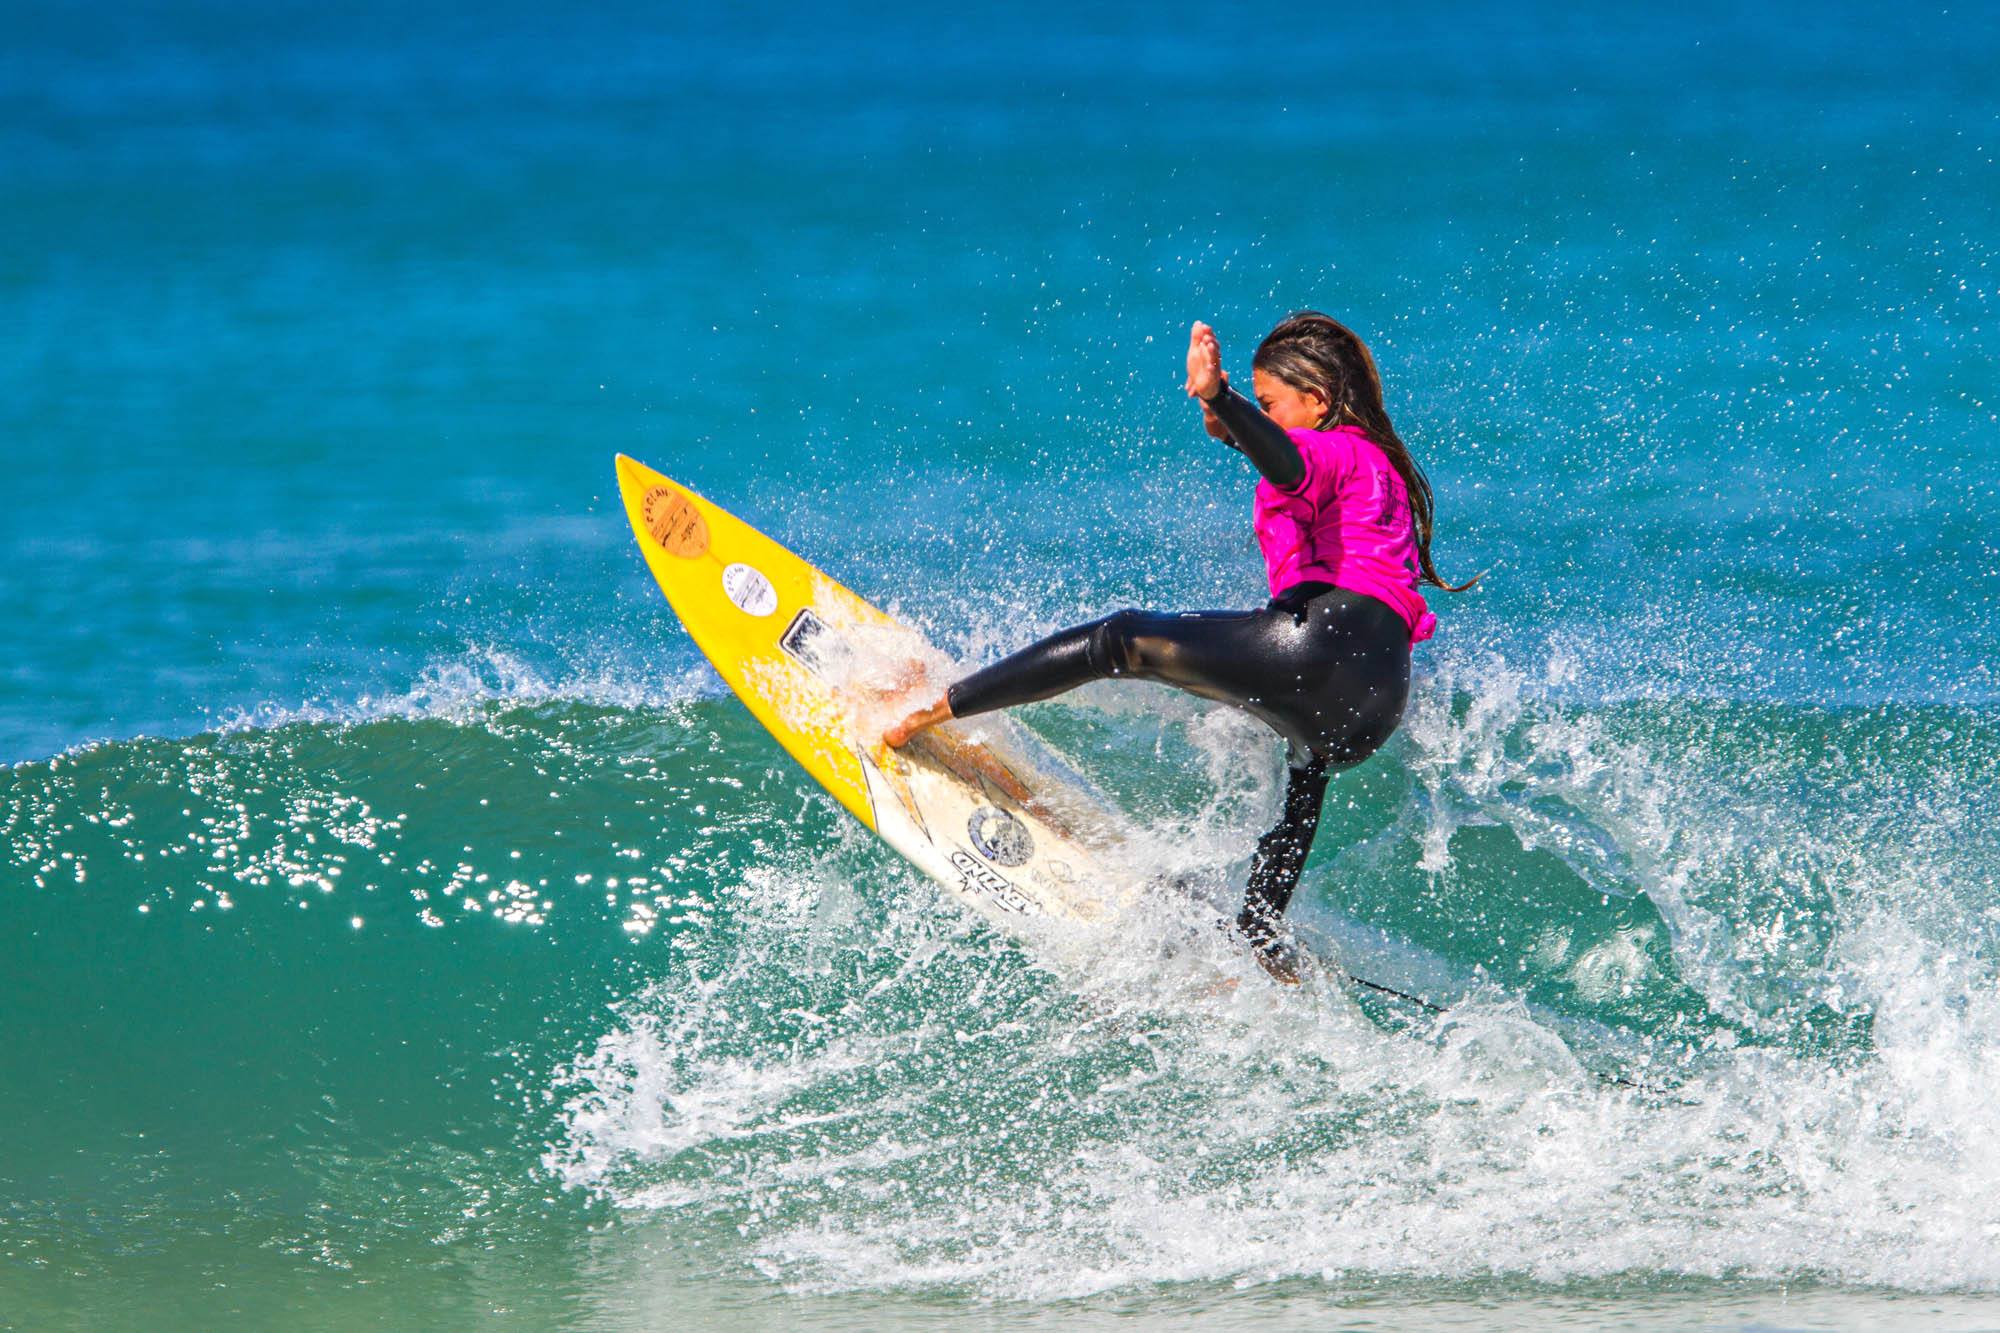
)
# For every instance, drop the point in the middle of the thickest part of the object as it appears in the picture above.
(1316, 353)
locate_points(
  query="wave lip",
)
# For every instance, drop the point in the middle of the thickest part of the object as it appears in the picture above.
(457, 690)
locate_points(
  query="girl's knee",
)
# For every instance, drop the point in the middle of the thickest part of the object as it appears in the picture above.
(1113, 650)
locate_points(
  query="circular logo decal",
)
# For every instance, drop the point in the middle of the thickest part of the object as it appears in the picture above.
(1001, 838)
(750, 590)
(675, 523)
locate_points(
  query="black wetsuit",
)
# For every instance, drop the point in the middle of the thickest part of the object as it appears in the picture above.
(1326, 668)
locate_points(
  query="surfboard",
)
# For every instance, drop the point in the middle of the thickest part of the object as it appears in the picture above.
(979, 807)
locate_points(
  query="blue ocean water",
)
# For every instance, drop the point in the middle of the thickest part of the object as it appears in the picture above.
(405, 927)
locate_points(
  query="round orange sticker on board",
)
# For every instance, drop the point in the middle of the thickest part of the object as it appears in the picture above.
(675, 523)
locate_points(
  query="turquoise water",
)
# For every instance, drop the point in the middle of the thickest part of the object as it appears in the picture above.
(405, 928)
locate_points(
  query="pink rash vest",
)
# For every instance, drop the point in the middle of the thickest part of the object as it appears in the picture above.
(1347, 522)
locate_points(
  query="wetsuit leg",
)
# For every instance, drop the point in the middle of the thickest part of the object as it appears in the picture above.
(1255, 660)
(1281, 855)
(1048, 667)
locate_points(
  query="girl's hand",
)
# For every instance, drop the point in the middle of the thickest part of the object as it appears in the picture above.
(1204, 363)
(1205, 378)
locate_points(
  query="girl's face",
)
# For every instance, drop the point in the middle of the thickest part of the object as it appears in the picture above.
(1287, 404)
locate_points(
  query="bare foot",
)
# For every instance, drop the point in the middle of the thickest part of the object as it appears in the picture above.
(898, 736)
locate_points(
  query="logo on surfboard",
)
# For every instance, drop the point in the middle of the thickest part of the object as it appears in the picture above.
(749, 590)
(1000, 838)
(817, 648)
(984, 879)
(674, 522)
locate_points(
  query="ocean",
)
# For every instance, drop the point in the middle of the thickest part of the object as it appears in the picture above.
(404, 927)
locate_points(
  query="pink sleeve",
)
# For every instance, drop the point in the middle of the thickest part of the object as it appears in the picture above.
(1328, 456)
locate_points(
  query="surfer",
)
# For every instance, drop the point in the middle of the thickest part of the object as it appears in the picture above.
(1343, 518)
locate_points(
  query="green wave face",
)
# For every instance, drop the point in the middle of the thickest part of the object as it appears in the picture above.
(595, 1010)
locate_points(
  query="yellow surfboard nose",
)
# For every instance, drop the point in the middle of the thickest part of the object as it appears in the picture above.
(738, 592)
(824, 671)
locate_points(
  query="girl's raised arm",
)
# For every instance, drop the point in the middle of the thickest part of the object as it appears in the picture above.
(1260, 439)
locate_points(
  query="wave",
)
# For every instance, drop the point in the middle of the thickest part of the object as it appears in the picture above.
(1768, 915)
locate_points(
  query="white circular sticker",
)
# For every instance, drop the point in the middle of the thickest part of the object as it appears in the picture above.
(750, 590)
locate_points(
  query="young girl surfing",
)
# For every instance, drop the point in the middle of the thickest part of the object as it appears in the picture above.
(1343, 517)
